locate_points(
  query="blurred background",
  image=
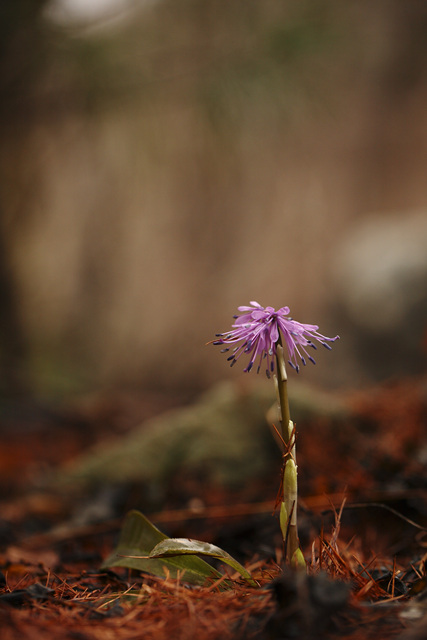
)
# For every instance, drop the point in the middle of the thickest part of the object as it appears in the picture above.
(163, 162)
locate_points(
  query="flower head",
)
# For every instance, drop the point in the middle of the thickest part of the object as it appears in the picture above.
(258, 330)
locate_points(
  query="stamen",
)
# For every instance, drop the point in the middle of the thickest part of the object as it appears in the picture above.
(225, 350)
(327, 346)
(312, 359)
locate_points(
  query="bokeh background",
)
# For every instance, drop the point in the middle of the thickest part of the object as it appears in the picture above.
(163, 162)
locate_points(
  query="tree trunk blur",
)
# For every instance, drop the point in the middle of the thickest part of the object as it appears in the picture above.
(22, 47)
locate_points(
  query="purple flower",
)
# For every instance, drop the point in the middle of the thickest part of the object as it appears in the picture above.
(258, 330)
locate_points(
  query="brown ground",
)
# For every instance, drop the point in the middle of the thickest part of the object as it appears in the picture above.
(367, 574)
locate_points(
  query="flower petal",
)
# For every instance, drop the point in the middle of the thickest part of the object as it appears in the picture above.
(257, 330)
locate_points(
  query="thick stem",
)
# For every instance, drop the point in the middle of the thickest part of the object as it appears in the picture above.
(288, 511)
(290, 499)
(282, 386)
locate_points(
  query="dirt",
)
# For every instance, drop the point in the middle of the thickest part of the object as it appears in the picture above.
(362, 519)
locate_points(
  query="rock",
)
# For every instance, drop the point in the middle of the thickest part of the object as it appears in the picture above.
(380, 276)
(307, 606)
(224, 436)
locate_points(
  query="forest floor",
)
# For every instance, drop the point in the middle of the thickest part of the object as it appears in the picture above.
(363, 519)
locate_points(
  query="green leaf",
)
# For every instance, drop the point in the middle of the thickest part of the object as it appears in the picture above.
(283, 519)
(172, 547)
(139, 537)
(298, 561)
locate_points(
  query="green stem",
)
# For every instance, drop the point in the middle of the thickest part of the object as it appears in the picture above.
(288, 512)
(282, 383)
